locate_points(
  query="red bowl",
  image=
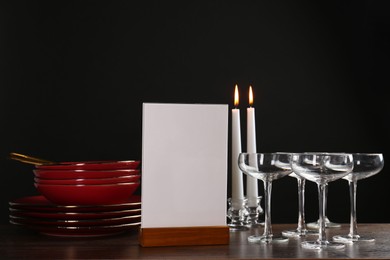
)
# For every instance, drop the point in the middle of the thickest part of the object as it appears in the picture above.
(88, 194)
(120, 179)
(91, 165)
(83, 174)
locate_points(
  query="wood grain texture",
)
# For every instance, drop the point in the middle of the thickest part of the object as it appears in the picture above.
(184, 236)
(19, 243)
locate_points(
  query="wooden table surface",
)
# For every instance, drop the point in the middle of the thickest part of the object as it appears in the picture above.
(19, 243)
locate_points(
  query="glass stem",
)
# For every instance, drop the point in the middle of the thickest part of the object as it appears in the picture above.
(322, 206)
(326, 203)
(267, 205)
(352, 195)
(301, 204)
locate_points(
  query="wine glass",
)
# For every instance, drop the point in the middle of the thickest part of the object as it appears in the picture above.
(301, 230)
(266, 167)
(321, 168)
(328, 223)
(365, 165)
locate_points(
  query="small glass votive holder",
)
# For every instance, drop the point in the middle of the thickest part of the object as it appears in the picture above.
(237, 213)
(254, 213)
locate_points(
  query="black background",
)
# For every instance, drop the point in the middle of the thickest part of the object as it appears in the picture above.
(74, 75)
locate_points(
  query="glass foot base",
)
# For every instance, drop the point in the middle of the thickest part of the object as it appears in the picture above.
(299, 233)
(267, 239)
(237, 227)
(347, 239)
(328, 224)
(256, 224)
(318, 245)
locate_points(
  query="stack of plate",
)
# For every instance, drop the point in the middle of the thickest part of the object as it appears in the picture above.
(88, 183)
(38, 213)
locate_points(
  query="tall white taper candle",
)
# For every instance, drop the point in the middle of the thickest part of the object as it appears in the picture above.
(237, 178)
(251, 183)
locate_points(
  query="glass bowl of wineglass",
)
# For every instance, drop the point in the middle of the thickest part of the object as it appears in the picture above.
(365, 166)
(322, 168)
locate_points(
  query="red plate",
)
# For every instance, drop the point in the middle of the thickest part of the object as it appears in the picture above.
(88, 194)
(88, 181)
(82, 174)
(86, 231)
(73, 215)
(91, 165)
(41, 204)
(75, 223)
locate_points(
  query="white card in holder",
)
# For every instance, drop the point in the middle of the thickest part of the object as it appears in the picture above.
(184, 165)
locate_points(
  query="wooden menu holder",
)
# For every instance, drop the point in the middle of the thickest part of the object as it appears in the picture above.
(184, 236)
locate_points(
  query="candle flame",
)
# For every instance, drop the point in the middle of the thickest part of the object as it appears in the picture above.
(250, 96)
(236, 96)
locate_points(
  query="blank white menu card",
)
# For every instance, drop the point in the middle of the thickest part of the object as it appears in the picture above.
(184, 165)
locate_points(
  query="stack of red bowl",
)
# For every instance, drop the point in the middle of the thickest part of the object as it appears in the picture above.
(88, 183)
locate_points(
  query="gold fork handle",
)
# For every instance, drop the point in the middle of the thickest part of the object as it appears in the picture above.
(28, 159)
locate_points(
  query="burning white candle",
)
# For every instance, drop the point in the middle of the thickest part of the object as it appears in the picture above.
(251, 182)
(237, 183)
